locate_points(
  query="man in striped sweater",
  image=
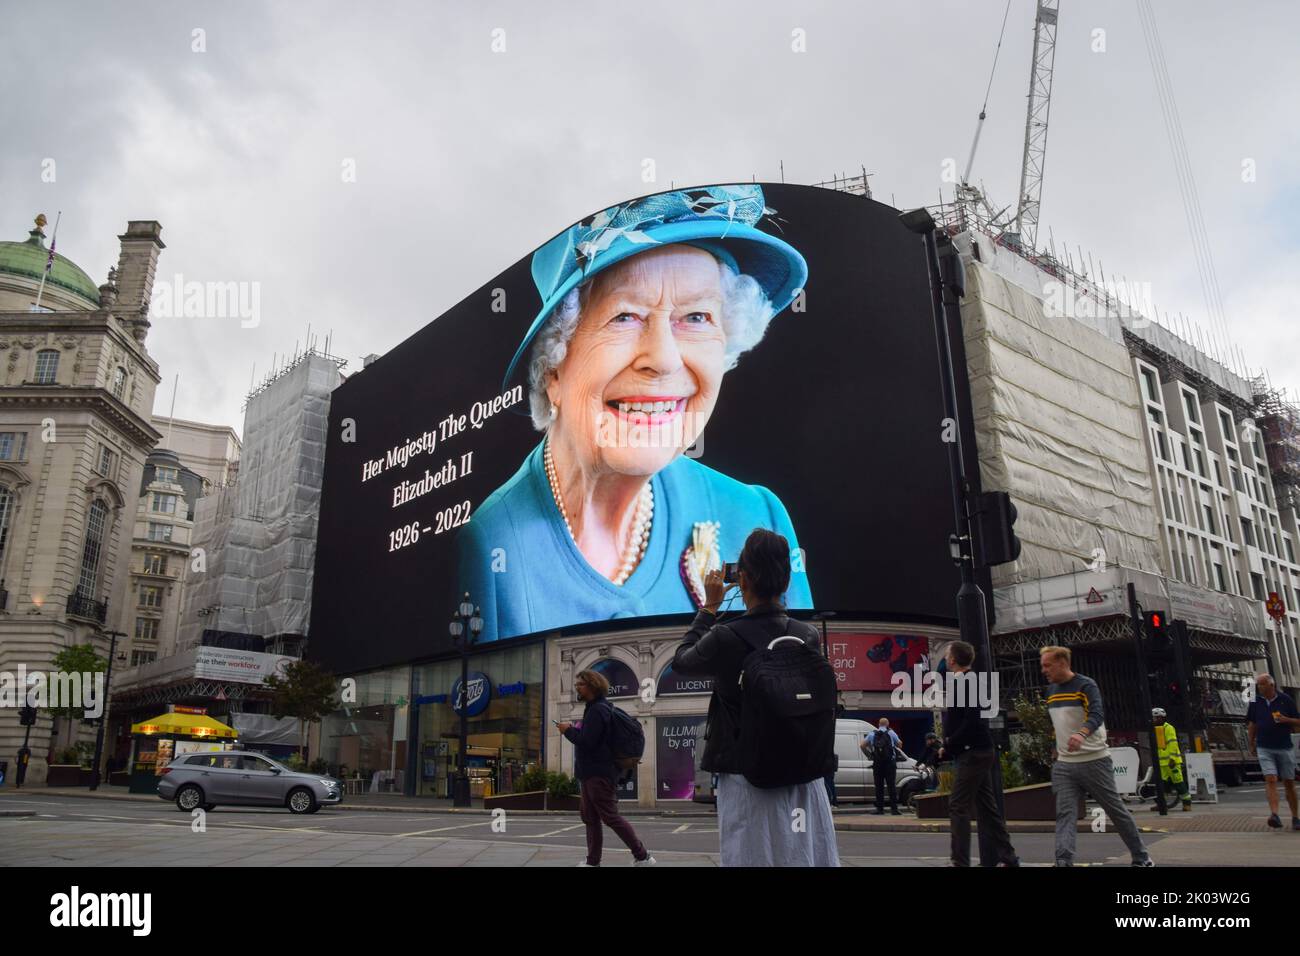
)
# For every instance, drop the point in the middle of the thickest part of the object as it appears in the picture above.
(1083, 764)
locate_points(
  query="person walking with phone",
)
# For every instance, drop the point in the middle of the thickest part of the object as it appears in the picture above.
(596, 771)
(787, 825)
(1271, 719)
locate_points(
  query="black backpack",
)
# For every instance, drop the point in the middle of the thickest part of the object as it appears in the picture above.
(882, 748)
(787, 713)
(626, 738)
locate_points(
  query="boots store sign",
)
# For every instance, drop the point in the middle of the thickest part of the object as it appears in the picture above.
(480, 694)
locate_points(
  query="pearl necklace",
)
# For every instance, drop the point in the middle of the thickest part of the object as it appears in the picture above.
(639, 539)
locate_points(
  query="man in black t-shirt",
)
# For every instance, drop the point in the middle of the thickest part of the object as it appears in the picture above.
(1271, 718)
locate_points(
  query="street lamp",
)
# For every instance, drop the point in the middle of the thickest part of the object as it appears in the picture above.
(465, 628)
(103, 717)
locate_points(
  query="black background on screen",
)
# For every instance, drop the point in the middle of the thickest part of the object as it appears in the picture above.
(837, 411)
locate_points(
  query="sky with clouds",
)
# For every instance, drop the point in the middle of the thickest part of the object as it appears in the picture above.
(467, 158)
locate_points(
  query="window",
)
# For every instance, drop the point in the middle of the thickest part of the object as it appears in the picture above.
(1209, 519)
(165, 474)
(164, 504)
(6, 511)
(150, 596)
(119, 383)
(107, 458)
(155, 564)
(1225, 422)
(13, 446)
(143, 657)
(1149, 387)
(96, 522)
(1193, 414)
(256, 764)
(159, 532)
(1218, 573)
(146, 629)
(1257, 586)
(1246, 535)
(1290, 551)
(47, 366)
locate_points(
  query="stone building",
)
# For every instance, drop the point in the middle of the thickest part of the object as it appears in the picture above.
(76, 393)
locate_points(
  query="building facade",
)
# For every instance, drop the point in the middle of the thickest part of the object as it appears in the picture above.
(76, 392)
(1134, 459)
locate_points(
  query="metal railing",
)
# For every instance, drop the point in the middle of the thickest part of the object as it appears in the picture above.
(87, 608)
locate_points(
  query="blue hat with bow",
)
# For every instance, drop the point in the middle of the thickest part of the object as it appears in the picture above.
(720, 219)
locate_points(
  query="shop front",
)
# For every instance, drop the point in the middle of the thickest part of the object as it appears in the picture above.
(364, 742)
(672, 707)
(502, 701)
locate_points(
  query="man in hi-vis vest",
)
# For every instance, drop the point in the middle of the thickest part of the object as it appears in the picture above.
(1171, 757)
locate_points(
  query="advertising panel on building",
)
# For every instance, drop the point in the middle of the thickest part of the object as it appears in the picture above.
(581, 440)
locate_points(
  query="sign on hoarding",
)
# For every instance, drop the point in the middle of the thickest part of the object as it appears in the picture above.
(240, 667)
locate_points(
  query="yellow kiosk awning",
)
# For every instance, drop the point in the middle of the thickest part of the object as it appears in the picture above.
(186, 725)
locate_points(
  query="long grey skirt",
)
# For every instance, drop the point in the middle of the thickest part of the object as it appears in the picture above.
(786, 826)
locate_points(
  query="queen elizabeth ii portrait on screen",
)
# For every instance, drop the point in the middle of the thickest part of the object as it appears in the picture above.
(645, 308)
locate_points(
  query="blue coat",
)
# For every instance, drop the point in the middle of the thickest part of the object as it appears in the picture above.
(519, 564)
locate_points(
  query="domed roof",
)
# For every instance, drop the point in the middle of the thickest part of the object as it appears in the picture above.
(27, 259)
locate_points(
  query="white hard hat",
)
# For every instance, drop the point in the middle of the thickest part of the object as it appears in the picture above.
(1157, 712)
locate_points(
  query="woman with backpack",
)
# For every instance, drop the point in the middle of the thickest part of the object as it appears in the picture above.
(597, 772)
(773, 808)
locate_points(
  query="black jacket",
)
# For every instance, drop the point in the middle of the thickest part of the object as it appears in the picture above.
(964, 729)
(592, 755)
(718, 650)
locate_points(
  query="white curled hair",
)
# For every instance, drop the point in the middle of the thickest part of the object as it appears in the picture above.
(746, 313)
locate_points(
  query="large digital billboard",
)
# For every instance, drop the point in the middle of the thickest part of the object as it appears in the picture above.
(590, 432)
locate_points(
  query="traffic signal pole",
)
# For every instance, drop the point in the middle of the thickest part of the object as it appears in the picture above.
(1144, 689)
(947, 286)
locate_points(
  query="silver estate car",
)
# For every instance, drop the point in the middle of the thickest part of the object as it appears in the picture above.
(241, 778)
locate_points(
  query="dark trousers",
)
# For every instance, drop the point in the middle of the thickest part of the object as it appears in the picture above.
(600, 806)
(885, 776)
(972, 788)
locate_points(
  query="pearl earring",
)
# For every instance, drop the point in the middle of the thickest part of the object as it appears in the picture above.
(554, 411)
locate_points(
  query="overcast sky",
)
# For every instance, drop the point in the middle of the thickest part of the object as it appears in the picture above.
(466, 159)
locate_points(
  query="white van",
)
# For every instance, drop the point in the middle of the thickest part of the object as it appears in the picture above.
(853, 780)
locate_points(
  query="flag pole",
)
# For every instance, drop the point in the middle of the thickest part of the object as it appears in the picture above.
(49, 262)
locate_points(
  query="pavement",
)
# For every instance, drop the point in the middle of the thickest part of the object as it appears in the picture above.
(75, 828)
(1240, 810)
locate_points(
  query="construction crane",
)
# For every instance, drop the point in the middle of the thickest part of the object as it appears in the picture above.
(1040, 104)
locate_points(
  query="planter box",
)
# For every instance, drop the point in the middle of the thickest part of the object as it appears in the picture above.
(533, 800)
(67, 775)
(1034, 802)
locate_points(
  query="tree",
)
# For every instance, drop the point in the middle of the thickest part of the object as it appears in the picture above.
(1036, 740)
(78, 659)
(305, 692)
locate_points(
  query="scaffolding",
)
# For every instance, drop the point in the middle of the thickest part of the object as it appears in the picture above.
(258, 533)
(1278, 420)
(857, 185)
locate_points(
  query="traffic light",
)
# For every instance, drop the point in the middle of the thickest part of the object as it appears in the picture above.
(1160, 648)
(995, 536)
